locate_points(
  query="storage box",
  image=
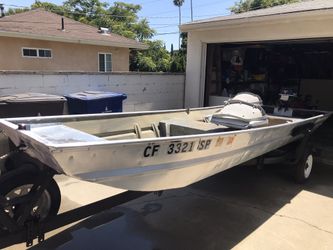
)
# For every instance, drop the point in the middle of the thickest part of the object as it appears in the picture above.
(88, 102)
(31, 104)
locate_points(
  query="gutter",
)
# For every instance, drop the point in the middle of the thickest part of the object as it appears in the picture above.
(73, 40)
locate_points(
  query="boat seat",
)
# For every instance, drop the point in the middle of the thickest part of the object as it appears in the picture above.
(178, 127)
(137, 133)
(146, 133)
(276, 121)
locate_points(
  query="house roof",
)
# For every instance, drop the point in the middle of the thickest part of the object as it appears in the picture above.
(303, 6)
(44, 25)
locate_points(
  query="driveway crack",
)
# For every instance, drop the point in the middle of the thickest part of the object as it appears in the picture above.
(211, 197)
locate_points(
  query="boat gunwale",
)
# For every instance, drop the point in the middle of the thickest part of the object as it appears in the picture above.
(58, 147)
(88, 117)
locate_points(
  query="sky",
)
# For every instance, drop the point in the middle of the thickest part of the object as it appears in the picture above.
(161, 14)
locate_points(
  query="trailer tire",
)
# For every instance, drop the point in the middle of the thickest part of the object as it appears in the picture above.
(304, 167)
(19, 159)
(15, 182)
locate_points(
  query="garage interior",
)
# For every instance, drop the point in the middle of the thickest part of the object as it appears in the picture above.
(304, 67)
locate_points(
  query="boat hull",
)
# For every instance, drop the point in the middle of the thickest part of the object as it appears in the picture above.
(145, 164)
(171, 163)
(178, 174)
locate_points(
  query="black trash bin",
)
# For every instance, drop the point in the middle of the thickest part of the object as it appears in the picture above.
(89, 102)
(31, 104)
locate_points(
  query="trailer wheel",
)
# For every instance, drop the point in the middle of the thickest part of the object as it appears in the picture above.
(20, 159)
(16, 184)
(304, 167)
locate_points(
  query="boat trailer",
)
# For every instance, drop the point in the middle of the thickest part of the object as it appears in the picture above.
(18, 224)
(14, 231)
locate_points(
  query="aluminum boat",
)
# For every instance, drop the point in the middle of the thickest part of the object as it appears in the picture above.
(150, 151)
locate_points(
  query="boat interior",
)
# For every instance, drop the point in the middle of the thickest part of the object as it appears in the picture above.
(128, 126)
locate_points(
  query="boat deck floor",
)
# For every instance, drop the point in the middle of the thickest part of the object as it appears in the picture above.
(179, 127)
(60, 133)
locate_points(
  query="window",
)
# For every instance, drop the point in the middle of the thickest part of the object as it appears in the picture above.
(32, 52)
(105, 62)
(44, 53)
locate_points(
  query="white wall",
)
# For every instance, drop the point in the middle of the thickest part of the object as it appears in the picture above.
(145, 91)
(270, 28)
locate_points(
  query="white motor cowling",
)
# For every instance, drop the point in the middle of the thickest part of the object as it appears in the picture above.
(248, 98)
(241, 112)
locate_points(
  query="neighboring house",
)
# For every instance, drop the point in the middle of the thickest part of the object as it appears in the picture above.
(39, 40)
(262, 51)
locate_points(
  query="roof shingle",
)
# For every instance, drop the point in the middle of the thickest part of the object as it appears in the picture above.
(42, 24)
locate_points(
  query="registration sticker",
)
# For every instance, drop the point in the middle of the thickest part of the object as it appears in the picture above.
(229, 140)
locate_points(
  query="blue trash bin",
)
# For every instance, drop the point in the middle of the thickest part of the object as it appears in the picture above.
(89, 102)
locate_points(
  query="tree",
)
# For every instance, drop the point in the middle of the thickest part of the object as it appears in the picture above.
(247, 5)
(126, 21)
(85, 10)
(121, 17)
(179, 4)
(58, 9)
(12, 11)
(155, 58)
(178, 58)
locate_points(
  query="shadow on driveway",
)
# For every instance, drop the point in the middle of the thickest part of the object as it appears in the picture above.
(216, 213)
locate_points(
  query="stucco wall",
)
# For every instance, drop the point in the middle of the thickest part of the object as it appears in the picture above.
(297, 26)
(145, 91)
(65, 56)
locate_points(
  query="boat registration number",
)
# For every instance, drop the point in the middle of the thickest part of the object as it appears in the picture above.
(177, 147)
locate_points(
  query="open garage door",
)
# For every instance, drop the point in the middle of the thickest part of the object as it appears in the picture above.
(304, 66)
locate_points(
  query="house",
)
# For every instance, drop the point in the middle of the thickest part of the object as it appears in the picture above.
(39, 40)
(263, 51)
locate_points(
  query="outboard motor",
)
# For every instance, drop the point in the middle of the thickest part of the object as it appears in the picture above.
(241, 112)
(248, 98)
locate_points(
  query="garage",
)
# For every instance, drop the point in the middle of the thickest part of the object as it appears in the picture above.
(304, 67)
(263, 51)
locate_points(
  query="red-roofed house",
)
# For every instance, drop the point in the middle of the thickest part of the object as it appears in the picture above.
(39, 40)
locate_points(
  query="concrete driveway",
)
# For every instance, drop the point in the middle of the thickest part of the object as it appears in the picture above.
(241, 209)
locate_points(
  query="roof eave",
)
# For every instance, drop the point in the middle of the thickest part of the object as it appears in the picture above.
(73, 40)
(213, 24)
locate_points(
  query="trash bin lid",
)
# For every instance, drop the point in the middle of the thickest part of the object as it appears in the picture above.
(94, 95)
(31, 97)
